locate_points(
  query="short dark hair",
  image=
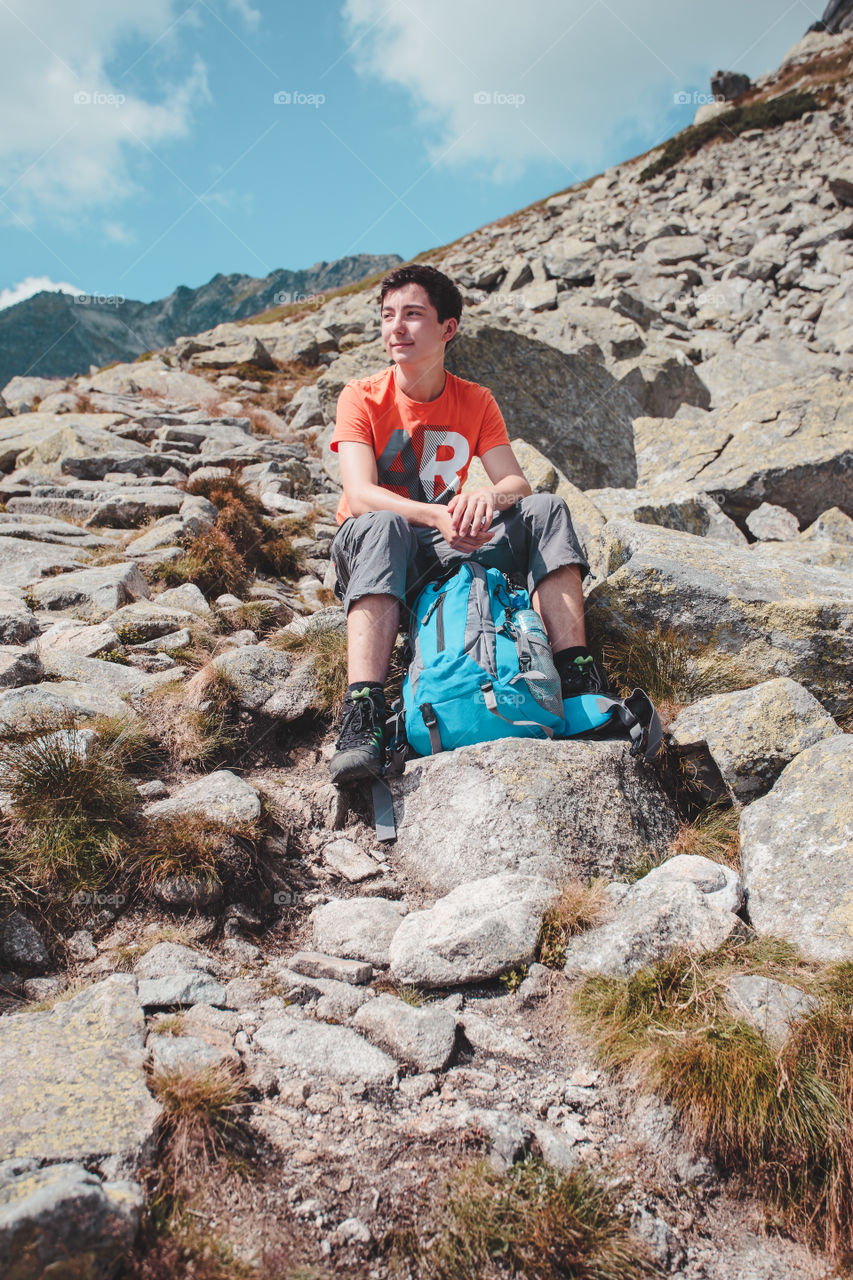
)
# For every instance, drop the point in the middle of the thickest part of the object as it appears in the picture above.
(441, 290)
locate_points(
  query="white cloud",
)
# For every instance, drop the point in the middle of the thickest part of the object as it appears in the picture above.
(118, 233)
(244, 10)
(34, 284)
(74, 126)
(595, 76)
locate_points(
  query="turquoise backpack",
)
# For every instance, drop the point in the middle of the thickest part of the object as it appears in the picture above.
(479, 671)
(480, 668)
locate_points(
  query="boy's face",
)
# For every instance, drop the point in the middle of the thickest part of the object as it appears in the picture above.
(411, 331)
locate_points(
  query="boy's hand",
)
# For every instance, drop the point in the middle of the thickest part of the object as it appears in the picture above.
(458, 538)
(473, 512)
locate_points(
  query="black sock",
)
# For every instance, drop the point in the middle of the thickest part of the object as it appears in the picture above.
(373, 685)
(566, 657)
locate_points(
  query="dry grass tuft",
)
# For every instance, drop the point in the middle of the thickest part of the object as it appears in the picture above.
(579, 907)
(202, 1109)
(780, 1118)
(198, 736)
(211, 561)
(258, 544)
(72, 800)
(530, 1221)
(713, 834)
(667, 664)
(192, 845)
(328, 650)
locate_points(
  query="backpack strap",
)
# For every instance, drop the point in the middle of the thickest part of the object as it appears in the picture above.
(492, 705)
(639, 719)
(435, 743)
(395, 762)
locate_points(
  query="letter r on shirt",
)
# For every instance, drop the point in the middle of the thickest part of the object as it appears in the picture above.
(456, 452)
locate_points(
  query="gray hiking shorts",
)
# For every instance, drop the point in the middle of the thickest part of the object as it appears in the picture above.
(381, 554)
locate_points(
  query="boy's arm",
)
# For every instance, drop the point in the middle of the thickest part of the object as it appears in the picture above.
(363, 493)
(474, 511)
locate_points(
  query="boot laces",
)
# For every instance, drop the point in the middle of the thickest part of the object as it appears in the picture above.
(362, 720)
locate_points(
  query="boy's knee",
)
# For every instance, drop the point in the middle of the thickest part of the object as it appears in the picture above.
(542, 505)
(381, 524)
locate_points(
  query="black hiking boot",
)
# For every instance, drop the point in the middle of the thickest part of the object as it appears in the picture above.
(360, 749)
(582, 676)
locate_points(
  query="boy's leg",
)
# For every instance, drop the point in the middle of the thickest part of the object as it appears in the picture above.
(558, 599)
(372, 625)
(371, 554)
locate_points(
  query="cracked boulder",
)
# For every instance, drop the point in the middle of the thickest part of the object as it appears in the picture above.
(550, 809)
(789, 445)
(750, 735)
(749, 612)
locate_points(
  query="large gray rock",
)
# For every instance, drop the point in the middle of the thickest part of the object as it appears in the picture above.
(40, 704)
(64, 1221)
(478, 931)
(18, 666)
(92, 593)
(156, 376)
(74, 1083)
(112, 677)
(222, 797)
(567, 406)
(23, 393)
(21, 944)
(68, 636)
(770, 1007)
(752, 734)
(44, 438)
(255, 673)
(422, 1036)
(322, 1050)
(749, 610)
(553, 809)
(17, 623)
(688, 512)
(789, 445)
(23, 561)
(357, 928)
(686, 903)
(797, 852)
(145, 620)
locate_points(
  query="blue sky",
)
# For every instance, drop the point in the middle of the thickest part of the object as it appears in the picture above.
(142, 145)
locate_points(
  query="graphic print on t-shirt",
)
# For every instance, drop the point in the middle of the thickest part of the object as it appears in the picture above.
(424, 465)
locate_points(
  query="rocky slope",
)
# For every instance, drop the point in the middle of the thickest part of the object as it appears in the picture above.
(673, 355)
(54, 334)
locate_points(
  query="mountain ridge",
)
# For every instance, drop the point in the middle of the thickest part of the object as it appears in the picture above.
(73, 333)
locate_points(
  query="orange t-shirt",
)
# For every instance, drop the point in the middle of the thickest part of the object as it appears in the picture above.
(422, 449)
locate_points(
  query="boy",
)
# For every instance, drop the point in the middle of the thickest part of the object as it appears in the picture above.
(405, 438)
